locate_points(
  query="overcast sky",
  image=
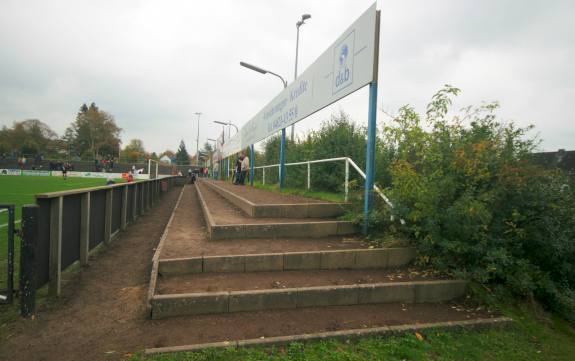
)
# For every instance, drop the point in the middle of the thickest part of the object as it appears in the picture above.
(154, 64)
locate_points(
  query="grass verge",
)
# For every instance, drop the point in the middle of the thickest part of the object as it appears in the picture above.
(325, 196)
(531, 338)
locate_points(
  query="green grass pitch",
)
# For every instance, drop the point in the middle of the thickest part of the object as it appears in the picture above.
(20, 190)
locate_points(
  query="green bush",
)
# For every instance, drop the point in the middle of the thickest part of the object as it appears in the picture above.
(476, 207)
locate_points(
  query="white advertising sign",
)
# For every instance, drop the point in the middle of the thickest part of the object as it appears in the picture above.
(44, 173)
(10, 172)
(346, 66)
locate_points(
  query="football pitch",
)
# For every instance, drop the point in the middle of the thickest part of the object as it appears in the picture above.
(20, 190)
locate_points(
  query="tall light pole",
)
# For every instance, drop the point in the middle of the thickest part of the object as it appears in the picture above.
(304, 17)
(198, 140)
(283, 137)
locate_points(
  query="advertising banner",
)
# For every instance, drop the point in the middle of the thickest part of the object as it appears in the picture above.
(346, 66)
(43, 173)
(10, 172)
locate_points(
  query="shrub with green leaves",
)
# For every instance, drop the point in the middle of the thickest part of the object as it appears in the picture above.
(477, 207)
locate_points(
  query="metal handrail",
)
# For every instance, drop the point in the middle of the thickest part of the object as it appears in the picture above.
(348, 161)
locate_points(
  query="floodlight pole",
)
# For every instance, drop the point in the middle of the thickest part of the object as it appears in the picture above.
(298, 24)
(198, 140)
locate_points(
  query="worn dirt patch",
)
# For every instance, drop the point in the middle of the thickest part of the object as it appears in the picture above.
(215, 282)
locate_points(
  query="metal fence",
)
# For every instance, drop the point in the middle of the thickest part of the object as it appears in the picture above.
(7, 254)
(73, 223)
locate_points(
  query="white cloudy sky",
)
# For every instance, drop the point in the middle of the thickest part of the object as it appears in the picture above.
(153, 64)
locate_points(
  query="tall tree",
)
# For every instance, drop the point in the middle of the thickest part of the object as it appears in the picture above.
(134, 151)
(182, 156)
(94, 133)
(28, 137)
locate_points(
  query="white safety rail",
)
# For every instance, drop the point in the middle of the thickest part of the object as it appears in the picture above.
(348, 162)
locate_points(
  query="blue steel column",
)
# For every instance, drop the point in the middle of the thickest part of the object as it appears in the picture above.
(252, 161)
(370, 156)
(283, 159)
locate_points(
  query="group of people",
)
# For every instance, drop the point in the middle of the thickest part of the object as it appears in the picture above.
(241, 169)
(106, 164)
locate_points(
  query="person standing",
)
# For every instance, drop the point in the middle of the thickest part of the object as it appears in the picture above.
(245, 168)
(216, 170)
(237, 170)
(65, 170)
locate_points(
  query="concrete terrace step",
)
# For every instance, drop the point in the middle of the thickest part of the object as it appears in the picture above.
(289, 261)
(223, 282)
(249, 200)
(289, 298)
(225, 221)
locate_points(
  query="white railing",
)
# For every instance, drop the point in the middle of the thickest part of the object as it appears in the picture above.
(348, 162)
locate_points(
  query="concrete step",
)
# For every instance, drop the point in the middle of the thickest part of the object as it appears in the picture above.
(252, 281)
(225, 221)
(291, 298)
(290, 261)
(275, 205)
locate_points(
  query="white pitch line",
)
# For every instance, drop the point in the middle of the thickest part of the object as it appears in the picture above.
(6, 225)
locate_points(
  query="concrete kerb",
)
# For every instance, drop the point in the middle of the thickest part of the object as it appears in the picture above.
(302, 297)
(156, 256)
(291, 261)
(344, 335)
(301, 210)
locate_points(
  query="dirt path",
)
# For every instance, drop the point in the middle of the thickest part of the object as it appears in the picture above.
(102, 308)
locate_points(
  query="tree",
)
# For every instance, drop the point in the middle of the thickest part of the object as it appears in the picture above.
(94, 133)
(182, 156)
(28, 137)
(134, 151)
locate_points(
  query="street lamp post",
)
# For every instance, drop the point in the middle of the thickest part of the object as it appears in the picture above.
(198, 139)
(283, 136)
(304, 17)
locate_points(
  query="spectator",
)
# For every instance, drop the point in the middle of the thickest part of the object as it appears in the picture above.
(237, 170)
(216, 170)
(245, 167)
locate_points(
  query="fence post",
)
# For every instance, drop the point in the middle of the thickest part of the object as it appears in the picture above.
(84, 228)
(108, 216)
(346, 185)
(308, 175)
(55, 261)
(135, 202)
(28, 260)
(264, 176)
(124, 218)
(141, 201)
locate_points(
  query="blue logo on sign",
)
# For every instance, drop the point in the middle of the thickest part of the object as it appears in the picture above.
(343, 73)
(343, 55)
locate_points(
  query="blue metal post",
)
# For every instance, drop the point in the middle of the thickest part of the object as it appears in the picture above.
(283, 159)
(370, 156)
(252, 161)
